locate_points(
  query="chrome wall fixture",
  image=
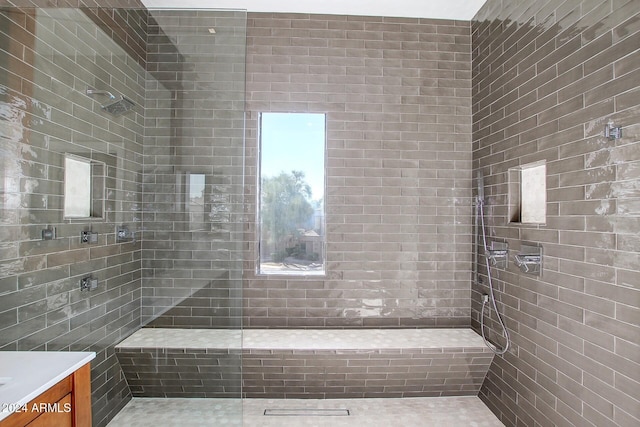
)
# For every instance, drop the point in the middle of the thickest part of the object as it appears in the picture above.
(49, 233)
(124, 235)
(115, 105)
(88, 237)
(612, 131)
(529, 259)
(88, 283)
(498, 254)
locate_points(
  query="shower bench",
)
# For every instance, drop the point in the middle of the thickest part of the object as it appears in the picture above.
(304, 363)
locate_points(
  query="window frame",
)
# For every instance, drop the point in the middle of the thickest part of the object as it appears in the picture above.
(322, 272)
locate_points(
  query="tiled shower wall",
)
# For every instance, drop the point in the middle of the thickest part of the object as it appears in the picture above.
(397, 95)
(49, 58)
(547, 77)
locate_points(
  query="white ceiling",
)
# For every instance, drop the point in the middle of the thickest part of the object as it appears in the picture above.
(439, 9)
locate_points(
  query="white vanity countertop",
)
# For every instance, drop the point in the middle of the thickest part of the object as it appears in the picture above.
(24, 375)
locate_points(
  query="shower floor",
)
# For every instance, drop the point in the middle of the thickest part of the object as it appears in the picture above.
(411, 412)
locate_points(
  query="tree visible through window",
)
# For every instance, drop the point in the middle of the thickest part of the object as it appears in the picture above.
(291, 208)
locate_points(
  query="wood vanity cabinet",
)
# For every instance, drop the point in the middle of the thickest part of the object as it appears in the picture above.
(66, 404)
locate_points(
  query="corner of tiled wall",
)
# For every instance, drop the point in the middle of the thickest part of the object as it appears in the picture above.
(547, 78)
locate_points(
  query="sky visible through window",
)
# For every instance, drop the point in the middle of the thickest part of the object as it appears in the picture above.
(292, 161)
(294, 141)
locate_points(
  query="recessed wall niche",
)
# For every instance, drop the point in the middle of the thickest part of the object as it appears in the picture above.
(528, 193)
(84, 187)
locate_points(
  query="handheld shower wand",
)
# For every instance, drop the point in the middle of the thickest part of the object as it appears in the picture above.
(480, 182)
(479, 222)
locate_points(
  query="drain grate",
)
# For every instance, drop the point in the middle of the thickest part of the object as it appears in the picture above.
(307, 412)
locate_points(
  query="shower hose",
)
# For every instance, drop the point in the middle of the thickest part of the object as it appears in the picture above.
(495, 349)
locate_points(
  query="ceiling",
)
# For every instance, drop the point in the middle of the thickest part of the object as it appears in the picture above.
(437, 9)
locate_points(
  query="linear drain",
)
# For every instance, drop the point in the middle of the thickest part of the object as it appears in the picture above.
(307, 412)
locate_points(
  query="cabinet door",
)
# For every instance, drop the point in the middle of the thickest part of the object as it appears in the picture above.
(58, 415)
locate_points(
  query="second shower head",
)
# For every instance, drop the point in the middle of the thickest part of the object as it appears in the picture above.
(115, 105)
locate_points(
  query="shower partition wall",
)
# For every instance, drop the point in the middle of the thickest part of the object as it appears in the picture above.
(162, 221)
(193, 169)
(192, 199)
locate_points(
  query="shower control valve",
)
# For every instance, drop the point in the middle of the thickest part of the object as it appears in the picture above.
(49, 233)
(498, 254)
(88, 237)
(123, 234)
(529, 259)
(612, 132)
(88, 284)
(528, 263)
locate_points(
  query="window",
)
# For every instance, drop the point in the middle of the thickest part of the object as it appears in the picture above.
(196, 209)
(291, 194)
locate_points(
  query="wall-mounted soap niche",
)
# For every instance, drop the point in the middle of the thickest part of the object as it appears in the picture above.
(528, 193)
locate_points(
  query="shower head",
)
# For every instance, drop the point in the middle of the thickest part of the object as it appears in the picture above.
(115, 106)
(480, 184)
(118, 106)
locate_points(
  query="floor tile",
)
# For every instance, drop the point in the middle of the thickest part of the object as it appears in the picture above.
(430, 411)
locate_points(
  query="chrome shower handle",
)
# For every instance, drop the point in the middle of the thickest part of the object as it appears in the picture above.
(497, 255)
(526, 261)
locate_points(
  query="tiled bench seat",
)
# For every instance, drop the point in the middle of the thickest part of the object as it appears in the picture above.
(304, 363)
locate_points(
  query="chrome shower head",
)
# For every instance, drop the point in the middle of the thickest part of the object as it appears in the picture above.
(115, 106)
(118, 106)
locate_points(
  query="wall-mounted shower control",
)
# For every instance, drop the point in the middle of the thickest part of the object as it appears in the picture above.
(49, 233)
(124, 235)
(88, 284)
(529, 259)
(88, 237)
(612, 131)
(498, 254)
(528, 263)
